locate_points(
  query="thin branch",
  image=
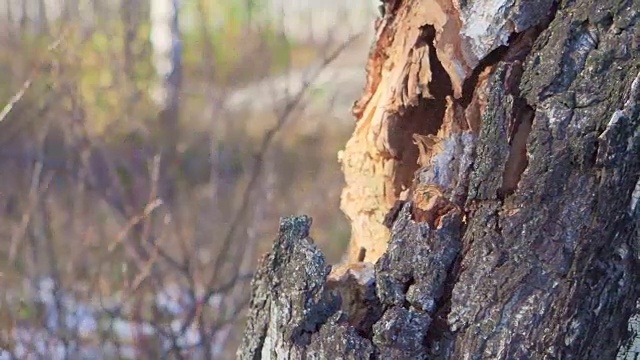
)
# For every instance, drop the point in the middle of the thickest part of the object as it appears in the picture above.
(38, 187)
(258, 164)
(27, 83)
(246, 195)
(133, 221)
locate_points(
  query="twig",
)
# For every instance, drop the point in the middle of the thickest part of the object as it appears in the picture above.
(15, 99)
(27, 84)
(256, 171)
(133, 221)
(264, 146)
(38, 187)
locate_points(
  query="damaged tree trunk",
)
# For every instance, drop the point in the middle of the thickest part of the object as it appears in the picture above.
(490, 179)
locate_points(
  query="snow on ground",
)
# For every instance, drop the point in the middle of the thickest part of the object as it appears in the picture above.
(86, 321)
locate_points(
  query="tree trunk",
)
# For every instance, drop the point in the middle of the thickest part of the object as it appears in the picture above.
(490, 179)
(166, 41)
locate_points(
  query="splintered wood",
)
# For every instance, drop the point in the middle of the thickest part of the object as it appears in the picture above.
(415, 96)
(381, 157)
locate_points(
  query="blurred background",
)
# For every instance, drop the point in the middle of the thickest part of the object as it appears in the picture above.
(148, 149)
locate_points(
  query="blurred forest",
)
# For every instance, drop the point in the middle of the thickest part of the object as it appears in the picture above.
(147, 151)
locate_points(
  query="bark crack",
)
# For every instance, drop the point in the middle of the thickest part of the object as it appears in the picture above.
(520, 118)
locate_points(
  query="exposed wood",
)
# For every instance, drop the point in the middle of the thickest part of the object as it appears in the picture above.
(428, 57)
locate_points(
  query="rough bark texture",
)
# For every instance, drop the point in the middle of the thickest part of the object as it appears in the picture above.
(510, 133)
(423, 68)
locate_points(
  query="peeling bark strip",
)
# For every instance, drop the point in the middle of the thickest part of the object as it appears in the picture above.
(514, 229)
(425, 77)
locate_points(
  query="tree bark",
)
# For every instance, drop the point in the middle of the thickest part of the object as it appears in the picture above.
(490, 179)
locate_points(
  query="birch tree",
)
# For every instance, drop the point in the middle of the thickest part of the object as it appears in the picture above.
(167, 59)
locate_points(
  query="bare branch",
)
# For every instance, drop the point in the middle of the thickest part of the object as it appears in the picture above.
(27, 83)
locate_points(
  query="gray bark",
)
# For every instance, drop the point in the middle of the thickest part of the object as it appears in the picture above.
(537, 259)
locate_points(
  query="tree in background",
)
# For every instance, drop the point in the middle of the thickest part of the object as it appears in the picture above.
(166, 42)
